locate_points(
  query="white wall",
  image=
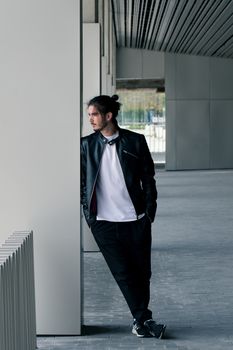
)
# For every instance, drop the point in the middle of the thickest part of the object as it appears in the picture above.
(39, 148)
(199, 119)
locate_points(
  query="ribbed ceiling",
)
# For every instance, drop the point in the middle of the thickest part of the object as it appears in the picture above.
(197, 27)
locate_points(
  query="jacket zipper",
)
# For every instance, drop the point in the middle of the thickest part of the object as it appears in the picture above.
(136, 157)
(131, 154)
(96, 177)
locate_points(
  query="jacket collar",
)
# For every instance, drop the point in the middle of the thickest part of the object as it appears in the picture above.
(105, 140)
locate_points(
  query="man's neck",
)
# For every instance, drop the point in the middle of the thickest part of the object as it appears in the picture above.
(109, 130)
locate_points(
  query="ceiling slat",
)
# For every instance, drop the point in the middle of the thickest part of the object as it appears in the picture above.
(151, 12)
(212, 27)
(196, 24)
(161, 11)
(167, 23)
(131, 18)
(187, 14)
(168, 39)
(227, 50)
(154, 16)
(147, 10)
(198, 27)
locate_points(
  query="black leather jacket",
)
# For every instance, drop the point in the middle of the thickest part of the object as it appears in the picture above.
(137, 166)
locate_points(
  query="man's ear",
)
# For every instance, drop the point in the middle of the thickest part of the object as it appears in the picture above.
(109, 116)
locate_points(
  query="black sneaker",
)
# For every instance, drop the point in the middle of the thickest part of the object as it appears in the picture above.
(156, 330)
(140, 330)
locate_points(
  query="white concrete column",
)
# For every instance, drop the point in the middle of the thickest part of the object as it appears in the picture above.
(40, 113)
(91, 88)
(98, 70)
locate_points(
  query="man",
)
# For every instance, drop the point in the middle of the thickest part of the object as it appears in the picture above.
(118, 195)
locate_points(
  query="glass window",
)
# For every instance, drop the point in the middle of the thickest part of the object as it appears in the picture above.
(143, 111)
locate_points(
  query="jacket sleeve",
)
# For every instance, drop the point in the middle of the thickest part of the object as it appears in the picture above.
(148, 181)
(84, 201)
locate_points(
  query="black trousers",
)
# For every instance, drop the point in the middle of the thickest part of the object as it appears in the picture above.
(126, 247)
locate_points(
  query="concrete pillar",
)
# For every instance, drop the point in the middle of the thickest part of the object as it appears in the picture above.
(98, 70)
(39, 148)
(91, 88)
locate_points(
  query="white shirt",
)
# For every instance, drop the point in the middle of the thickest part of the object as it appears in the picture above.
(113, 200)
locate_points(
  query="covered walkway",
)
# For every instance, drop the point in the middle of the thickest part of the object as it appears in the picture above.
(192, 283)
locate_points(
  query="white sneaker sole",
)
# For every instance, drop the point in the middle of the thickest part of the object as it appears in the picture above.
(161, 334)
(138, 335)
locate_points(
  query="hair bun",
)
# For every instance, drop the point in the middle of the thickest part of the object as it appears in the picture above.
(115, 97)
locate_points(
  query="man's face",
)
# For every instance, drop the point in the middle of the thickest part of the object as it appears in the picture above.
(98, 121)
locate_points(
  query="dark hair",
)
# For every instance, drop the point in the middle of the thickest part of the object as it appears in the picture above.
(105, 104)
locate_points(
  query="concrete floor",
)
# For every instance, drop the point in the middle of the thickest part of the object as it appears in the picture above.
(192, 282)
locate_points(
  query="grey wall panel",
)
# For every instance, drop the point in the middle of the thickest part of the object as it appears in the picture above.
(104, 72)
(192, 77)
(139, 64)
(170, 76)
(221, 134)
(171, 135)
(89, 11)
(203, 136)
(152, 64)
(221, 79)
(129, 64)
(192, 134)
